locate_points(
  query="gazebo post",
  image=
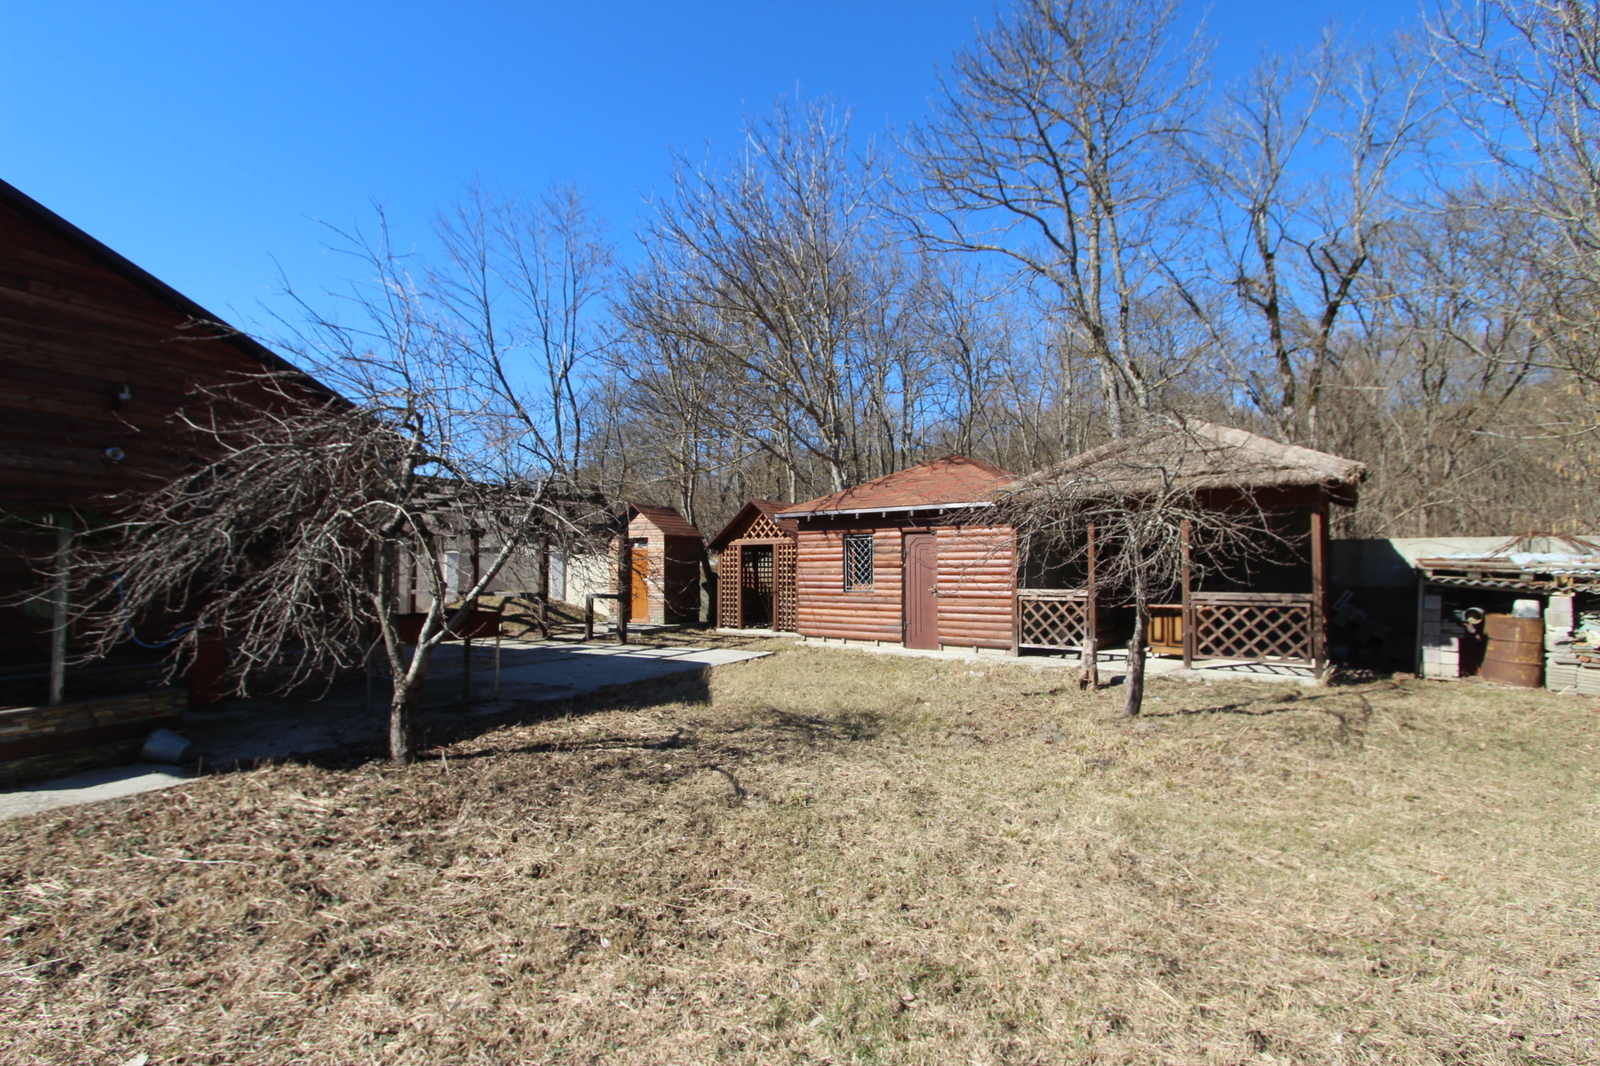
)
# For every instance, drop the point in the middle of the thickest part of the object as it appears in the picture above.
(1188, 598)
(1091, 621)
(1319, 583)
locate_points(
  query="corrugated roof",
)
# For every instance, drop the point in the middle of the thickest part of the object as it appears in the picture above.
(666, 519)
(771, 508)
(953, 480)
(1203, 455)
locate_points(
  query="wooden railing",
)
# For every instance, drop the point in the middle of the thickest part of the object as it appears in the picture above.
(1052, 619)
(1256, 626)
(1249, 626)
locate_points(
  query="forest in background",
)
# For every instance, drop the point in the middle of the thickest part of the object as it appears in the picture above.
(1389, 250)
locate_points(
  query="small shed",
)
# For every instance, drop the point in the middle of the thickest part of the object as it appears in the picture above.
(908, 559)
(658, 565)
(756, 554)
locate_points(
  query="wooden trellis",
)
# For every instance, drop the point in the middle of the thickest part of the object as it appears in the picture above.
(728, 592)
(1052, 619)
(784, 599)
(1254, 626)
(757, 562)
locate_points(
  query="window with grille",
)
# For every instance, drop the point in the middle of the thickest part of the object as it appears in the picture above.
(858, 561)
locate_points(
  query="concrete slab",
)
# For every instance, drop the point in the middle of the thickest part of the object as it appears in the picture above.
(1113, 663)
(91, 786)
(244, 732)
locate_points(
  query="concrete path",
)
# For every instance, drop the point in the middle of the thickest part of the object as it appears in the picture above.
(245, 731)
(1113, 663)
(91, 786)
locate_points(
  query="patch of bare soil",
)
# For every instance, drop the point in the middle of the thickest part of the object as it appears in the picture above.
(849, 858)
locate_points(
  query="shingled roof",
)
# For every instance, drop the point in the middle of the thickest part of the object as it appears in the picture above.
(1198, 455)
(771, 508)
(950, 481)
(666, 519)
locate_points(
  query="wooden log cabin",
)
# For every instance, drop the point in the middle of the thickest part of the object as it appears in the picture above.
(95, 356)
(755, 555)
(659, 560)
(908, 559)
(919, 558)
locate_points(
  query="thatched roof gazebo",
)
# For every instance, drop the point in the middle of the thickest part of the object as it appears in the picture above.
(1206, 457)
(1273, 611)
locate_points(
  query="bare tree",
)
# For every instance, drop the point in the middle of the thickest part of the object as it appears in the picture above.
(1057, 146)
(1304, 164)
(1172, 496)
(1525, 79)
(293, 537)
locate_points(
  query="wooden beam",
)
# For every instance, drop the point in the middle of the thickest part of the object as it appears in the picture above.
(1188, 598)
(1319, 585)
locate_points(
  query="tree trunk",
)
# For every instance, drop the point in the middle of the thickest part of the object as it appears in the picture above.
(1136, 651)
(405, 720)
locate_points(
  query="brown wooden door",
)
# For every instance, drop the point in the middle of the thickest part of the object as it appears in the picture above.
(639, 568)
(921, 577)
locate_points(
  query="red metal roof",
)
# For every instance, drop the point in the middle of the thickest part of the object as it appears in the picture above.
(951, 480)
(666, 519)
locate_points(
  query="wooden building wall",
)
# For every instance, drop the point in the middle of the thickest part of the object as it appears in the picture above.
(674, 581)
(977, 584)
(75, 327)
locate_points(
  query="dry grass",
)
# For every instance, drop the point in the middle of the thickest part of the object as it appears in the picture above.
(850, 858)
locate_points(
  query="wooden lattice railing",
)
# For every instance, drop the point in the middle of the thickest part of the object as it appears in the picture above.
(1257, 626)
(1057, 619)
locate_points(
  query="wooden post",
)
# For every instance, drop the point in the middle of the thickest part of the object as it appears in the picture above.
(1188, 599)
(1319, 585)
(588, 618)
(624, 587)
(58, 612)
(1091, 614)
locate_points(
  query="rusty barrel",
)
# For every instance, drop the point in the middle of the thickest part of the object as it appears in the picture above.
(1515, 655)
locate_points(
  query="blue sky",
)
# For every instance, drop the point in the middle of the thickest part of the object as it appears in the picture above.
(203, 140)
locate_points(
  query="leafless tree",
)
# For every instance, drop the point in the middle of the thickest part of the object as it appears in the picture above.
(460, 427)
(1304, 164)
(1526, 83)
(1057, 145)
(1167, 497)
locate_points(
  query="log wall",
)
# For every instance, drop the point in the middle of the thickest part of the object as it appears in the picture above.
(825, 609)
(977, 584)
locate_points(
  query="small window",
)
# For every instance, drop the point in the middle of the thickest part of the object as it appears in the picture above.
(858, 561)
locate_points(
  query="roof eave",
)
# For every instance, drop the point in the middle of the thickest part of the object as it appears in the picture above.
(836, 511)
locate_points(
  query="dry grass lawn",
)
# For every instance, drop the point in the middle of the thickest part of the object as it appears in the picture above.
(848, 858)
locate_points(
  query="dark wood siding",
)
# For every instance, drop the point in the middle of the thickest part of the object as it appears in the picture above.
(72, 331)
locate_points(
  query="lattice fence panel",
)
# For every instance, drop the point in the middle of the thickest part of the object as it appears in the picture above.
(728, 567)
(783, 577)
(1277, 632)
(1056, 621)
(761, 528)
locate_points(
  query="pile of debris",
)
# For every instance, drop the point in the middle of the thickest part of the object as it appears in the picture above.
(1574, 665)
